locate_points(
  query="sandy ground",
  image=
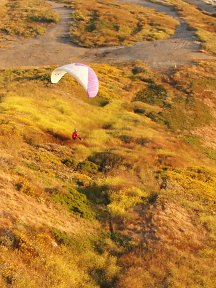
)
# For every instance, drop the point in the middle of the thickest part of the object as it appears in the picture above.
(54, 47)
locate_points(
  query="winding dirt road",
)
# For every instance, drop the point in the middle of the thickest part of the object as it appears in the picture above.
(55, 48)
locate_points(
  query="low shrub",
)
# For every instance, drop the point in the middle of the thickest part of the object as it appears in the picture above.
(107, 160)
(153, 94)
(126, 139)
(192, 140)
(25, 186)
(122, 200)
(70, 162)
(97, 194)
(142, 141)
(61, 237)
(9, 239)
(211, 153)
(87, 167)
(43, 18)
(122, 240)
(98, 101)
(157, 117)
(137, 69)
(76, 202)
(139, 110)
(108, 126)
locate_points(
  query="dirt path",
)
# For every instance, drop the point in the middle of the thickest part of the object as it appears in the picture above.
(54, 47)
(180, 49)
(203, 6)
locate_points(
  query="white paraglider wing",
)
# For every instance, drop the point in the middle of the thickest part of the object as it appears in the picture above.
(82, 73)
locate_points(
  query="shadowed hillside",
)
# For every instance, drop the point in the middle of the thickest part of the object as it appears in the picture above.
(133, 203)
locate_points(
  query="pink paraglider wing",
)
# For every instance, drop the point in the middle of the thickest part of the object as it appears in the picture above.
(93, 84)
(82, 73)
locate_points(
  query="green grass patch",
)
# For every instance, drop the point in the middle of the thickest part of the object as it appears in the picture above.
(153, 94)
(75, 202)
(192, 140)
(211, 153)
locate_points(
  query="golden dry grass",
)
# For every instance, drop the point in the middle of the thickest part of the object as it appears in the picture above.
(24, 18)
(109, 23)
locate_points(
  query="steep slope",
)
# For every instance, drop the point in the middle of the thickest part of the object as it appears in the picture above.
(132, 204)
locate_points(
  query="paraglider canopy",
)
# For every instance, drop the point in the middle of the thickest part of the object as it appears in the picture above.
(84, 74)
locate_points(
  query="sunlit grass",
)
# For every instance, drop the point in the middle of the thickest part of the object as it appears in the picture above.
(101, 23)
(25, 18)
(83, 212)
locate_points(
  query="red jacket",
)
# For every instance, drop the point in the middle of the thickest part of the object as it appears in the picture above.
(75, 135)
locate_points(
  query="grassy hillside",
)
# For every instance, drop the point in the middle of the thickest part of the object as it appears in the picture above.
(132, 204)
(26, 18)
(109, 23)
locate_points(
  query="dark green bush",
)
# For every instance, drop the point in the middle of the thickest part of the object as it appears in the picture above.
(137, 70)
(126, 139)
(87, 167)
(116, 27)
(139, 110)
(138, 28)
(52, 190)
(142, 141)
(153, 94)
(76, 202)
(108, 126)
(97, 194)
(93, 21)
(9, 239)
(70, 162)
(61, 237)
(25, 187)
(91, 27)
(122, 240)
(107, 160)
(154, 116)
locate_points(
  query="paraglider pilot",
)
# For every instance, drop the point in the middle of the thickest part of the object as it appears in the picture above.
(75, 135)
